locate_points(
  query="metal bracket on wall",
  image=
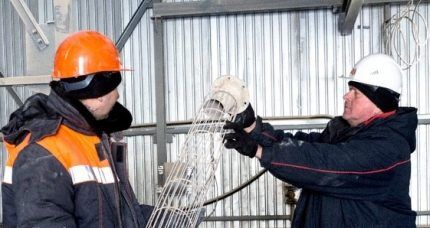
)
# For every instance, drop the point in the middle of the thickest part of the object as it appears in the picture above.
(31, 25)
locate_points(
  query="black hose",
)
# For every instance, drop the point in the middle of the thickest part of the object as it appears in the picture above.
(234, 190)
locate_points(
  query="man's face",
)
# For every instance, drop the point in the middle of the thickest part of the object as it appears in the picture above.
(101, 106)
(357, 107)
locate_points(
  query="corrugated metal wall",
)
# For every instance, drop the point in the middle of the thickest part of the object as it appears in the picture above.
(291, 61)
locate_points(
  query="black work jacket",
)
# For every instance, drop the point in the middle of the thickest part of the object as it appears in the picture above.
(65, 172)
(350, 176)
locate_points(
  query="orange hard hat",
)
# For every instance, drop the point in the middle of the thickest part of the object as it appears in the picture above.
(83, 53)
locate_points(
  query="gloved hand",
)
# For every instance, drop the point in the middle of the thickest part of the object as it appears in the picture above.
(240, 140)
(245, 118)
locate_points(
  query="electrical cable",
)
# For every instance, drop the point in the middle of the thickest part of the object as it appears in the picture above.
(234, 190)
(395, 38)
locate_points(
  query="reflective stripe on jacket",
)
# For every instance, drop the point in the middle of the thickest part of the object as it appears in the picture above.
(78, 155)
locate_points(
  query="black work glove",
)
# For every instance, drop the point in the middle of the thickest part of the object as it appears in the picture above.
(245, 118)
(240, 140)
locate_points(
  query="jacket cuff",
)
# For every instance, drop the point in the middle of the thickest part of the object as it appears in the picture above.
(258, 126)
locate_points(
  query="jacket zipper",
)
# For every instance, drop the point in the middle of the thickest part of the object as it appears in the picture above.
(117, 187)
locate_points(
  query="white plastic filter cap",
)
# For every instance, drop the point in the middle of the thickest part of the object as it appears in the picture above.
(231, 92)
(379, 70)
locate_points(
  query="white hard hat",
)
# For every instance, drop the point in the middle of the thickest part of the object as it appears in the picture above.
(378, 70)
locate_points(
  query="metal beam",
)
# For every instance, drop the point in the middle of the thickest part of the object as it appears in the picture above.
(221, 7)
(279, 123)
(248, 218)
(267, 217)
(376, 2)
(423, 119)
(12, 92)
(423, 213)
(135, 19)
(25, 80)
(348, 17)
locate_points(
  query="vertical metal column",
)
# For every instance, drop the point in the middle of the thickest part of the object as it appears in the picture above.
(160, 101)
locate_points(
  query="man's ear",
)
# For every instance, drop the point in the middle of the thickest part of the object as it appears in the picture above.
(100, 99)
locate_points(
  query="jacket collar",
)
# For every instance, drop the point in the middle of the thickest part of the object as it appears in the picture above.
(379, 116)
(72, 115)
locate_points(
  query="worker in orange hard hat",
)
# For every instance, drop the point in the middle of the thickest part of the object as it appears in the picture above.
(64, 167)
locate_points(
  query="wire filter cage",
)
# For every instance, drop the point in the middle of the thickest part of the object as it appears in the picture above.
(180, 203)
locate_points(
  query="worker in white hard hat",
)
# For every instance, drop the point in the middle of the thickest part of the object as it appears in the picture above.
(356, 172)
